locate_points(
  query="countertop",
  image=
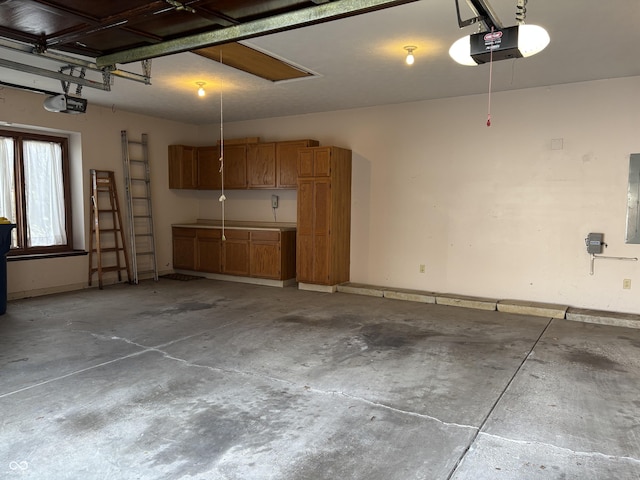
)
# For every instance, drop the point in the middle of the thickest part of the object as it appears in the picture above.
(238, 225)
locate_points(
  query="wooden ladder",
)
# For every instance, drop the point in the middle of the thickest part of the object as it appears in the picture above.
(107, 236)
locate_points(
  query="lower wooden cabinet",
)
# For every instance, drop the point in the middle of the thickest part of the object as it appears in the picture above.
(269, 254)
(208, 250)
(184, 248)
(235, 252)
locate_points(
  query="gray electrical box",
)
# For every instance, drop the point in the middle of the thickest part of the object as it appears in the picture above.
(595, 242)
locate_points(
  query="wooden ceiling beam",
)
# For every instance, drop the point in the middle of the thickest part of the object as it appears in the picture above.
(127, 20)
(288, 21)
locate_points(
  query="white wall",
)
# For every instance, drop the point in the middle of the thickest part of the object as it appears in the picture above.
(491, 212)
(96, 144)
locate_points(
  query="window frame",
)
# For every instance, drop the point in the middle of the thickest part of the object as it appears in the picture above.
(21, 229)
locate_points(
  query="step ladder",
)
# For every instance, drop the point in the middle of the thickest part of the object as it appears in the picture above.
(135, 156)
(108, 252)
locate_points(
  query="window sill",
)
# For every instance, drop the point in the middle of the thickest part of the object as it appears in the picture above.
(37, 256)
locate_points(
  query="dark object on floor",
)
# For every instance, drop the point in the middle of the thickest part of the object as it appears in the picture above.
(181, 276)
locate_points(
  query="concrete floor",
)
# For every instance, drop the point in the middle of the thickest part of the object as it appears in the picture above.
(217, 380)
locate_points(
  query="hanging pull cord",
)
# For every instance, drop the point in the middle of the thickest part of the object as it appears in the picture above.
(490, 80)
(222, 198)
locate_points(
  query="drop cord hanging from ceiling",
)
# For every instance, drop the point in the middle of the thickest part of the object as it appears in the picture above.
(490, 80)
(222, 198)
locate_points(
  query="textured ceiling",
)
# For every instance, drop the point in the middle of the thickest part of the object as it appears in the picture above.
(359, 62)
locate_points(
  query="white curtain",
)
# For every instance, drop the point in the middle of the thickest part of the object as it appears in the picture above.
(44, 192)
(7, 184)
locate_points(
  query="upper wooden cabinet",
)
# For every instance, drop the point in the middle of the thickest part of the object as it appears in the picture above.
(183, 167)
(274, 165)
(261, 165)
(209, 177)
(194, 167)
(235, 166)
(287, 161)
(247, 164)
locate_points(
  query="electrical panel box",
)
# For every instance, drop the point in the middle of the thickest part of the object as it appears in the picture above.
(595, 242)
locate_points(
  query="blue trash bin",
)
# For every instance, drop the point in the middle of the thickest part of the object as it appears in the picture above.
(5, 245)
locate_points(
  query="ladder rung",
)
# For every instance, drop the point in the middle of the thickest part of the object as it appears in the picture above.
(144, 234)
(109, 249)
(140, 198)
(109, 230)
(144, 253)
(136, 161)
(114, 268)
(142, 216)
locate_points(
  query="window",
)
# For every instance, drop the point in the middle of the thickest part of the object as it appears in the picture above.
(35, 192)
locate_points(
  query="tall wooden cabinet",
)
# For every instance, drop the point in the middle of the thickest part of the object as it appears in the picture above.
(324, 215)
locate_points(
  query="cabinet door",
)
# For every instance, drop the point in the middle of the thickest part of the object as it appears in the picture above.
(304, 238)
(209, 168)
(322, 162)
(235, 166)
(287, 161)
(261, 165)
(209, 251)
(235, 252)
(305, 163)
(313, 236)
(265, 256)
(184, 248)
(183, 168)
(321, 230)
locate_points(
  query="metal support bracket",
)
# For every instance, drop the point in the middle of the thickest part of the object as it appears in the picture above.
(595, 257)
(71, 61)
(484, 15)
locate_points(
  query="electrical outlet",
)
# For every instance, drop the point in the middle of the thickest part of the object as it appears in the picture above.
(274, 201)
(626, 284)
(422, 268)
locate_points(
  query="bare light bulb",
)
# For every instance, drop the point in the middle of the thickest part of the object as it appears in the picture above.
(410, 58)
(201, 92)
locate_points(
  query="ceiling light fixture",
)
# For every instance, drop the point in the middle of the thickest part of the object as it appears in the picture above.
(201, 92)
(495, 42)
(410, 58)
